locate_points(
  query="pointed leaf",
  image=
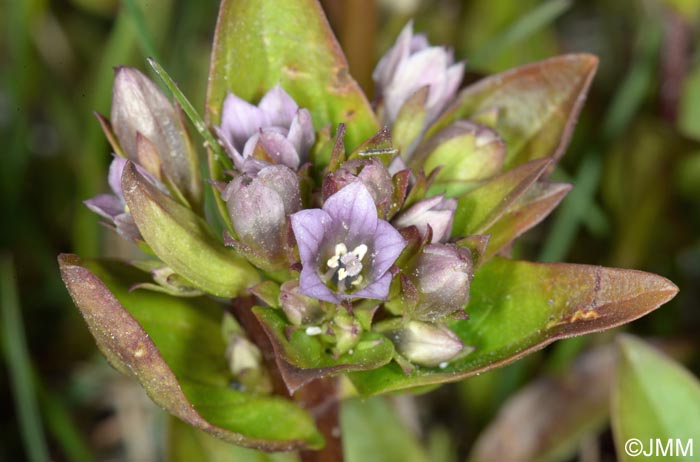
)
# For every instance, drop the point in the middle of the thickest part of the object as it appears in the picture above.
(181, 239)
(174, 348)
(537, 105)
(528, 211)
(480, 208)
(518, 307)
(302, 358)
(260, 43)
(654, 398)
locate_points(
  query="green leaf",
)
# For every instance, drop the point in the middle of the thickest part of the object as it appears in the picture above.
(528, 211)
(260, 43)
(518, 307)
(174, 348)
(373, 433)
(480, 208)
(186, 444)
(302, 358)
(537, 105)
(654, 398)
(183, 241)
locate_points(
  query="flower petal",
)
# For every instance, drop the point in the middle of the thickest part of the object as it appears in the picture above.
(309, 227)
(301, 132)
(388, 245)
(377, 290)
(240, 120)
(106, 205)
(279, 108)
(353, 212)
(115, 175)
(280, 150)
(310, 284)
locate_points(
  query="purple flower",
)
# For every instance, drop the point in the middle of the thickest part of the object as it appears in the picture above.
(113, 206)
(437, 212)
(412, 64)
(276, 131)
(346, 251)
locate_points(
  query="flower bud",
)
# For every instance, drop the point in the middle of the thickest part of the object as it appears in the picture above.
(426, 344)
(300, 309)
(373, 174)
(347, 331)
(276, 131)
(259, 206)
(245, 363)
(436, 212)
(140, 109)
(442, 275)
(410, 65)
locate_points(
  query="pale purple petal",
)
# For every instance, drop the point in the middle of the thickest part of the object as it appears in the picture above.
(279, 108)
(436, 211)
(280, 150)
(387, 66)
(126, 227)
(228, 146)
(378, 290)
(301, 132)
(106, 205)
(353, 212)
(310, 226)
(240, 120)
(310, 284)
(114, 178)
(455, 73)
(388, 245)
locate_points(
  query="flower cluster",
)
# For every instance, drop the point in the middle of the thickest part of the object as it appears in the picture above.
(358, 233)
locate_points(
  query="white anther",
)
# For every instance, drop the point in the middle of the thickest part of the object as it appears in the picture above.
(342, 274)
(360, 251)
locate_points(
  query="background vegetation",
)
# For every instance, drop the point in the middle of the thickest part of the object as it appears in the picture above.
(634, 160)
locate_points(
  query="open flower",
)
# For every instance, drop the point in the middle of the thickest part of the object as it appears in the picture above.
(276, 131)
(346, 251)
(410, 65)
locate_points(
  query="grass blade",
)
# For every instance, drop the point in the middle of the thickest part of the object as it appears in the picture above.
(19, 366)
(189, 109)
(530, 23)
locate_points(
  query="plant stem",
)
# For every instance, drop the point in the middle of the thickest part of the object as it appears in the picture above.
(319, 397)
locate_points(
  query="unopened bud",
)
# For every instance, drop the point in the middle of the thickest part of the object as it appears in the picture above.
(426, 344)
(443, 275)
(436, 212)
(259, 206)
(300, 309)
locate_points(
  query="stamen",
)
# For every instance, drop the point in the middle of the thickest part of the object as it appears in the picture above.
(360, 251)
(342, 274)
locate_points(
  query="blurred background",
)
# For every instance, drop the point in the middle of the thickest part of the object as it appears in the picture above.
(634, 160)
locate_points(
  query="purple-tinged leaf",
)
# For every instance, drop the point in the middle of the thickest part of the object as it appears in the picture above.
(518, 307)
(175, 349)
(537, 105)
(528, 211)
(478, 209)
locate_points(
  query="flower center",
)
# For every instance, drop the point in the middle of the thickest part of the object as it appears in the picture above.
(346, 266)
